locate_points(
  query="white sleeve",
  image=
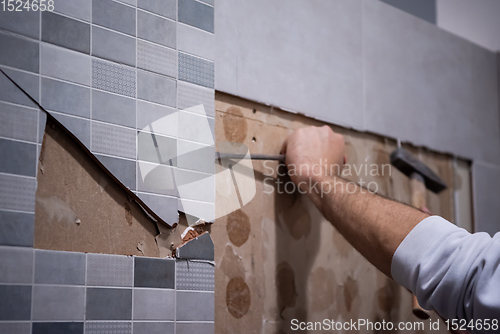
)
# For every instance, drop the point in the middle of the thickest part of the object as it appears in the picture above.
(450, 270)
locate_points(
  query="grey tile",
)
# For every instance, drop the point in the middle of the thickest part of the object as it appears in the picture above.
(154, 273)
(196, 210)
(198, 328)
(195, 41)
(108, 327)
(195, 128)
(65, 97)
(195, 157)
(113, 46)
(113, 140)
(156, 29)
(113, 108)
(424, 9)
(58, 327)
(17, 158)
(195, 306)
(130, 2)
(28, 82)
(155, 88)
(110, 270)
(189, 95)
(193, 275)
(196, 70)
(113, 15)
(18, 122)
(157, 119)
(42, 122)
(200, 248)
(195, 186)
(17, 193)
(485, 188)
(16, 264)
(65, 64)
(54, 267)
(196, 14)
(77, 126)
(164, 207)
(210, 2)
(154, 328)
(109, 304)
(15, 328)
(13, 46)
(66, 32)
(167, 8)
(123, 170)
(17, 229)
(79, 9)
(113, 78)
(16, 302)
(154, 304)
(156, 148)
(58, 302)
(155, 178)
(26, 23)
(156, 58)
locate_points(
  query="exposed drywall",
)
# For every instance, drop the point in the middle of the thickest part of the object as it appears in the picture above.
(278, 259)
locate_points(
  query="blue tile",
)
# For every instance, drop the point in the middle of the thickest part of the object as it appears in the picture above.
(17, 228)
(196, 14)
(156, 29)
(123, 170)
(113, 15)
(54, 267)
(154, 273)
(65, 97)
(196, 70)
(57, 328)
(109, 304)
(28, 82)
(66, 32)
(113, 46)
(113, 108)
(16, 302)
(17, 158)
(13, 47)
(26, 23)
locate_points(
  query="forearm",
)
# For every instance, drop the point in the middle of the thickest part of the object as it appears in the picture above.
(374, 225)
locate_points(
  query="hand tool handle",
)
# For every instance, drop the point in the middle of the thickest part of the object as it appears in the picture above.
(219, 155)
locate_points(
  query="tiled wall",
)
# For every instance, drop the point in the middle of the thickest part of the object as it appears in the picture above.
(64, 292)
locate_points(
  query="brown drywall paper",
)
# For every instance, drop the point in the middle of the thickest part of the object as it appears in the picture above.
(285, 258)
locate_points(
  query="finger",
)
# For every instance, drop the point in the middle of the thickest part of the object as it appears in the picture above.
(283, 147)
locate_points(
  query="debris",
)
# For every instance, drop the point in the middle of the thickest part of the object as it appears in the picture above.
(141, 246)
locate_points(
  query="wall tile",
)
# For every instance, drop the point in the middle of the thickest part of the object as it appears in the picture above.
(113, 46)
(197, 210)
(156, 148)
(113, 140)
(66, 32)
(79, 9)
(196, 70)
(65, 64)
(26, 23)
(17, 193)
(16, 264)
(196, 157)
(200, 248)
(108, 327)
(17, 158)
(10, 93)
(154, 304)
(195, 41)
(195, 128)
(195, 186)
(113, 15)
(156, 58)
(18, 122)
(42, 121)
(110, 270)
(54, 267)
(123, 170)
(17, 229)
(15, 328)
(160, 119)
(109, 304)
(130, 2)
(155, 178)
(195, 306)
(58, 327)
(196, 14)
(195, 276)
(424, 9)
(58, 303)
(485, 185)
(65, 97)
(113, 109)
(198, 328)
(156, 29)
(209, 2)
(167, 8)
(189, 95)
(114, 78)
(154, 328)
(155, 88)
(16, 302)
(13, 46)
(77, 126)
(154, 273)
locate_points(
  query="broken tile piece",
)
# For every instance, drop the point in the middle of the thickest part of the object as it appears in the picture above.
(200, 248)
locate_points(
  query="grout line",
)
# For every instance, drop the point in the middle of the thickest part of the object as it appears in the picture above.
(19, 105)
(18, 211)
(17, 175)
(363, 66)
(136, 103)
(21, 140)
(32, 289)
(154, 14)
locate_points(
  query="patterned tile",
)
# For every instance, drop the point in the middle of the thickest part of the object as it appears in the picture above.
(156, 58)
(189, 95)
(113, 140)
(17, 193)
(113, 78)
(109, 270)
(18, 122)
(193, 275)
(196, 70)
(108, 327)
